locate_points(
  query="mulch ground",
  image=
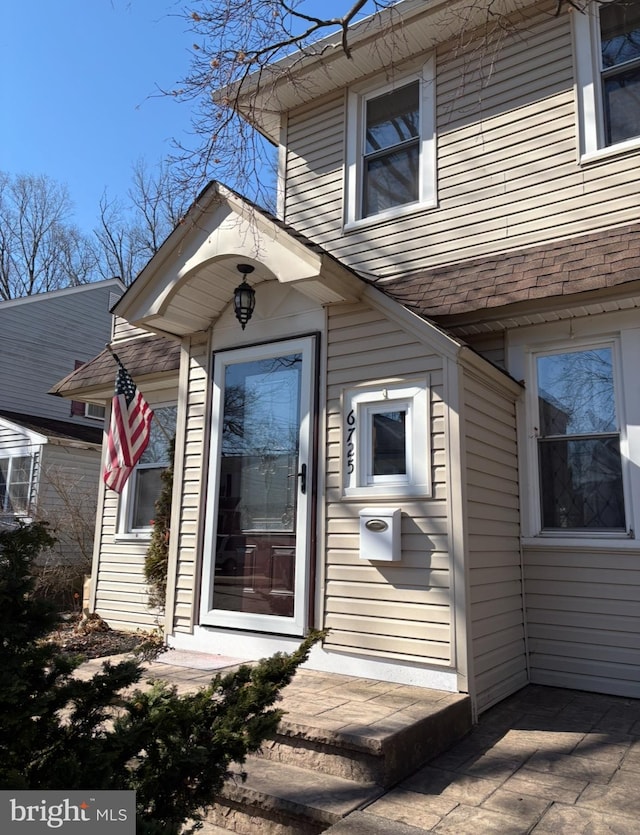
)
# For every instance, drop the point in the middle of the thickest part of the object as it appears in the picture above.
(94, 638)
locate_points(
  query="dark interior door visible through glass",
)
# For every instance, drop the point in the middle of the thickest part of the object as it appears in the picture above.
(258, 487)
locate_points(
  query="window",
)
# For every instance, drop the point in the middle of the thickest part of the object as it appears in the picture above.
(16, 485)
(607, 47)
(94, 411)
(578, 439)
(386, 440)
(391, 148)
(144, 484)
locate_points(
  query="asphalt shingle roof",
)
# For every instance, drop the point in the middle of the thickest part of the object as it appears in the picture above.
(596, 261)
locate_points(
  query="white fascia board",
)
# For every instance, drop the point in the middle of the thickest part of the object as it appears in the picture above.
(323, 66)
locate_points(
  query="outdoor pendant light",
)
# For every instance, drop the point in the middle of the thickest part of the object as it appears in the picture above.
(244, 296)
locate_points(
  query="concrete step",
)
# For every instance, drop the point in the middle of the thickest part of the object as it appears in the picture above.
(282, 799)
(319, 772)
(382, 749)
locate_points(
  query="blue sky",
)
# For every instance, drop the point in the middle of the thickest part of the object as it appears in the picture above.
(78, 91)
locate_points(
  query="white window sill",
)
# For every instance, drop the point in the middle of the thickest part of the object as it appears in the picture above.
(619, 149)
(414, 491)
(584, 542)
(389, 216)
(139, 536)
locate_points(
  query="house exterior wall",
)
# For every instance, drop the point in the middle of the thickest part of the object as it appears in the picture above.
(496, 606)
(41, 339)
(192, 435)
(119, 590)
(400, 610)
(582, 588)
(582, 611)
(494, 193)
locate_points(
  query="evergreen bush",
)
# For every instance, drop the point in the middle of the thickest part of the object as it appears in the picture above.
(157, 557)
(59, 732)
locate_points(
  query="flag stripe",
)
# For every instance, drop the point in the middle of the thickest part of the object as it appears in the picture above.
(129, 431)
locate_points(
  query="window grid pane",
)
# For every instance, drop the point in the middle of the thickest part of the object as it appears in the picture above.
(389, 443)
(391, 164)
(621, 94)
(391, 180)
(579, 445)
(392, 118)
(147, 489)
(581, 484)
(620, 62)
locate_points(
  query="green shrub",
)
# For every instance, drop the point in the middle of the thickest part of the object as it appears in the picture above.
(157, 556)
(58, 732)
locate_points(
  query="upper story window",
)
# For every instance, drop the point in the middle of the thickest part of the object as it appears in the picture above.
(578, 439)
(607, 52)
(144, 485)
(391, 148)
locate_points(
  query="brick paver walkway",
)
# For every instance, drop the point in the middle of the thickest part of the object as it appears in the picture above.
(546, 760)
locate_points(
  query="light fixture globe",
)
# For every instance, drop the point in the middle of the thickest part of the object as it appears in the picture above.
(244, 296)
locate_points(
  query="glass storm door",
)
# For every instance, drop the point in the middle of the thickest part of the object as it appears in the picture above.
(258, 523)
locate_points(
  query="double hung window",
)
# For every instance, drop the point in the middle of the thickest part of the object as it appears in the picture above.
(391, 148)
(578, 440)
(607, 47)
(145, 482)
(16, 485)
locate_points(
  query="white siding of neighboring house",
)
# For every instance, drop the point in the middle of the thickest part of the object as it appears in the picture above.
(67, 497)
(496, 607)
(494, 192)
(396, 610)
(41, 339)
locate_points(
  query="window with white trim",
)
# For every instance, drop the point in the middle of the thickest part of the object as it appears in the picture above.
(578, 438)
(93, 410)
(16, 485)
(386, 440)
(607, 55)
(144, 485)
(391, 157)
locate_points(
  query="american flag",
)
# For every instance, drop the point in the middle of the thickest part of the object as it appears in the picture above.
(129, 431)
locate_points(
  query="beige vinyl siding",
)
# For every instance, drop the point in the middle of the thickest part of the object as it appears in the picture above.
(125, 330)
(507, 160)
(193, 455)
(583, 613)
(121, 592)
(394, 610)
(490, 346)
(496, 617)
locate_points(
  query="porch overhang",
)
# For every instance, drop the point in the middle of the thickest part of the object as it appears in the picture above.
(190, 281)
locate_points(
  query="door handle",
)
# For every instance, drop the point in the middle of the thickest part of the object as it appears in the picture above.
(302, 475)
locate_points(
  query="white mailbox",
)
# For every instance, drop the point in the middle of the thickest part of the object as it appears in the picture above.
(380, 533)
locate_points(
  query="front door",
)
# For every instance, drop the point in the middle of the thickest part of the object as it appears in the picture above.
(258, 532)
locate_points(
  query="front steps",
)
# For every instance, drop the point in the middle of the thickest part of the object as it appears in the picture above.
(341, 744)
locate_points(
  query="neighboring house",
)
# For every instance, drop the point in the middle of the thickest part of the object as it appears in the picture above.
(50, 450)
(426, 438)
